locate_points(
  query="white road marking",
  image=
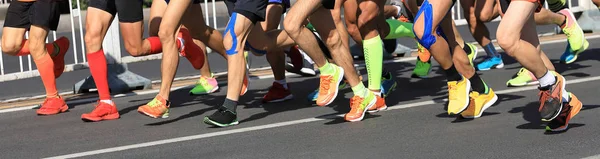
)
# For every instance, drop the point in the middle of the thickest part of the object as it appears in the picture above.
(281, 124)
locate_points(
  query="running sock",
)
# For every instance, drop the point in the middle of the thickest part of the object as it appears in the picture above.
(374, 60)
(108, 101)
(399, 29)
(466, 48)
(478, 84)
(360, 90)
(230, 105)
(547, 80)
(327, 69)
(490, 50)
(283, 83)
(97, 64)
(452, 74)
(155, 45)
(45, 66)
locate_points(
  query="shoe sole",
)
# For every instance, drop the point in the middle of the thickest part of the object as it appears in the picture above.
(209, 92)
(467, 103)
(166, 115)
(585, 46)
(106, 117)
(210, 122)
(371, 104)
(498, 66)
(63, 109)
(524, 84)
(337, 87)
(485, 107)
(378, 109)
(282, 99)
(561, 103)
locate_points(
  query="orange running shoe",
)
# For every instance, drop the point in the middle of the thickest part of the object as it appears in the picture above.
(157, 108)
(103, 111)
(551, 101)
(61, 46)
(190, 50)
(379, 105)
(328, 86)
(53, 106)
(359, 106)
(569, 110)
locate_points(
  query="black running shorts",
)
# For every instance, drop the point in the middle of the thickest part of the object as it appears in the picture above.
(43, 13)
(129, 10)
(328, 4)
(254, 10)
(504, 4)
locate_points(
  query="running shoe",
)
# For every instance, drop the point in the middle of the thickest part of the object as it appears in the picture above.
(205, 85)
(555, 5)
(522, 78)
(570, 109)
(479, 103)
(295, 58)
(61, 46)
(313, 95)
(277, 93)
(379, 104)
(551, 101)
(222, 118)
(490, 63)
(423, 65)
(103, 111)
(388, 84)
(245, 83)
(359, 106)
(306, 68)
(157, 108)
(53, 106)
(190, 50)
(576, 39)
(473, 54)
(458, 96)
(328, 86)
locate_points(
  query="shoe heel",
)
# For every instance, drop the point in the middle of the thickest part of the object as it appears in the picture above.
(64, 108)
(111, 116)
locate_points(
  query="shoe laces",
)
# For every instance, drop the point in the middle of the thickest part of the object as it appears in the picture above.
(155, 103)
(203, 81)
(355, 102)
(325, 82)
(544, 95)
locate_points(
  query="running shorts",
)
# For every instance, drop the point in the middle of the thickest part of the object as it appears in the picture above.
(44, 13)
(254, 10)
(129, 10)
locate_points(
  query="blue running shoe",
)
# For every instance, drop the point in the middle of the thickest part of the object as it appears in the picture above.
(570, 55)
(490, 62)
(388, 84)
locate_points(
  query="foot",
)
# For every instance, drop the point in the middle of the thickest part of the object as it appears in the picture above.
(190, 50)
(313, 95)
(522, 78)
(61, 45)
(359, 106)
(222, 118)
(479, 103)
(551, 101)
(103, 111)
(473, 54)
(299, 65)
(490, 63)
(157, 108)
(423, 65)
(379, 105)
(277, 93)
(53, 105)
(458, 96)
(570, 109)
(328, 86)
(388, 84)
(576, 39)
(205, 85)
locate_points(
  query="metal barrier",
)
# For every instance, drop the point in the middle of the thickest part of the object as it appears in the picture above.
(79, 54)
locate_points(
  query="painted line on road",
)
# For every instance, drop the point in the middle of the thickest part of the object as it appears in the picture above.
(404, 59)
(593, 157)
(281, 124)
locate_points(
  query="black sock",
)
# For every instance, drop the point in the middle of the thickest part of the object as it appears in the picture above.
(477, 84)
(230, 104)
(385, 74)
(467, 48)
(452, 74)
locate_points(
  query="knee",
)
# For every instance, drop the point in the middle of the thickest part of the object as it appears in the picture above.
(93, 38)
(485, 16)
(507, 42)
(291, 26)
(11, 47)
(167, 34)
(333, 40)
(133, 50)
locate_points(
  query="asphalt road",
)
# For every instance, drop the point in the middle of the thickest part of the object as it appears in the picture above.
(416, 125)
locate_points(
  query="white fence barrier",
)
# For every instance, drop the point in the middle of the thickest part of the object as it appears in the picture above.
(79, 54)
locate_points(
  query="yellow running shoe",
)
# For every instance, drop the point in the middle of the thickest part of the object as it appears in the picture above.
(359, 106)
(458, 96)
(479, 103)
(157, 108)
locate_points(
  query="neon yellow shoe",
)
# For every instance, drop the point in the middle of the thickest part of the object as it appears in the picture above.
(577, 42)
(522, 78)
(458, 96)
(359, 106)
(479, 103)
(473, 54)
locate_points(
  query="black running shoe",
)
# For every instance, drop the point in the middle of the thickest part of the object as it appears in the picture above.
(222, 118)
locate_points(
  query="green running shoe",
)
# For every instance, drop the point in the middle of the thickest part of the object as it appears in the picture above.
(522, 78)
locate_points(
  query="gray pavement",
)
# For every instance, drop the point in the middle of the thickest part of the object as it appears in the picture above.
(415, 127)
